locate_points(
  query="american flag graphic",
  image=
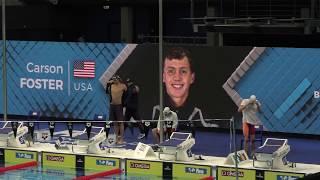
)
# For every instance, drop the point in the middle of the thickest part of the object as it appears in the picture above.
(84, 69)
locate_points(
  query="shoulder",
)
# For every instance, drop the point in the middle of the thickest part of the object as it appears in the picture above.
(174, 114)
(244, 102)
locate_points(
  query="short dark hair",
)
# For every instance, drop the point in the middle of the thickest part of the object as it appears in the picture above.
(179, 53)
(128, 80)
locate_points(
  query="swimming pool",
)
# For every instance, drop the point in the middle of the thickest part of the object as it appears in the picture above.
(54, 173)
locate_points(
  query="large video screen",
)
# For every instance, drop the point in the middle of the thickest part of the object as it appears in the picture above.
(67, 80)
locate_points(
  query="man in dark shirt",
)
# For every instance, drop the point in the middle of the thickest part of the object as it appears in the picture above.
(131, 102)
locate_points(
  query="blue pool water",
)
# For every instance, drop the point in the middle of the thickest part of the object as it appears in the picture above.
(54, 173)
(38, 173)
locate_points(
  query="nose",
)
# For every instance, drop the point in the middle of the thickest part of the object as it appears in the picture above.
(177, 76)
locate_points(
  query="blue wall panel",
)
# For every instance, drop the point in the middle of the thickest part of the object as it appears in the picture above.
(80, 98)
(284, 80)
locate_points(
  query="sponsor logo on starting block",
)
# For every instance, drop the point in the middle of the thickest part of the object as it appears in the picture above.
(139, 165)
(153, 168)
(190, 171)
(21, 139)
(195, 170)
(284, 177)
(102, 162)
(225, 173)
(55, 158)
(59, 160)
(24, 155)
(16, 157)
(269, 175)
(232, 173)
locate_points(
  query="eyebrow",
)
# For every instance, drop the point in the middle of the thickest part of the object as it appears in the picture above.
(173, 67)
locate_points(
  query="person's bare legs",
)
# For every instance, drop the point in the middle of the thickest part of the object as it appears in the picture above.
(246, 144)
(156, 136)
(120, 124)
(252, 144)
(245, 129)
(116, 131)
(121, 133)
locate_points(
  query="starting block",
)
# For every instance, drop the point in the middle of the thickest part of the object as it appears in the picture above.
(95, 143)
(179, 145)
(272, 154)
(4, 133)
(19, 139)
(60, 144)
(82, 138)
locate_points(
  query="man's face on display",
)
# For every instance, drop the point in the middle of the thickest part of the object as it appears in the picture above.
(178, 77)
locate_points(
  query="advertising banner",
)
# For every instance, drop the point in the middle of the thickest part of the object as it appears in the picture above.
(275, 175)
(19, 156)
(101, 163)
(143, 167)
(226, 173)
(191, 171)
(60, 160)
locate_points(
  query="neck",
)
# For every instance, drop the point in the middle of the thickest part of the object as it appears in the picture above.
(178, 102)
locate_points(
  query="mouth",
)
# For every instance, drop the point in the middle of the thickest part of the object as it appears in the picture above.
(177, 86)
